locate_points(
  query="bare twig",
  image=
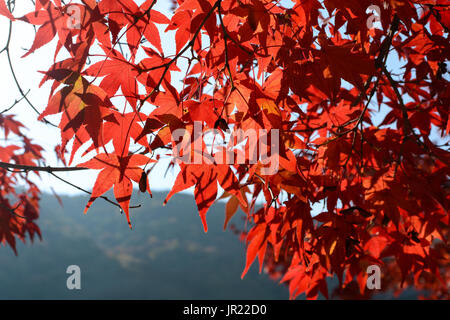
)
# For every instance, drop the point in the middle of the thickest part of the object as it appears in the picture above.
(19, 87)
(26, 168)
(85, 191)
(16, 102)
(13, 211)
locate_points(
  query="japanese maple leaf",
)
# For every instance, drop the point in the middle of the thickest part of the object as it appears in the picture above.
(10, 125)
(152, 65)
(204, 177)
(9, 226)
(145, 27)
(120, 128)
(181, 21)
(334, 66)
(118, 172)
(202, 111)
(7, 152)
(139, 21)
(117, 73)
(54, 20)
(80, 104)
(4, 10)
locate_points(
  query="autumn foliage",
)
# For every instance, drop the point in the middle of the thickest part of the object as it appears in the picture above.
(355, 137)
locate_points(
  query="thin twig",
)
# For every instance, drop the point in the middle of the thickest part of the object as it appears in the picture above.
(26, 168)
(85, 191)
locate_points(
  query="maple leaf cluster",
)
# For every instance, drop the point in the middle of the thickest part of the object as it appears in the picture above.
(314, 73)
(19, 196)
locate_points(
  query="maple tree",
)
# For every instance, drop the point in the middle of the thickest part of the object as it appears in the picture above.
(314, 71)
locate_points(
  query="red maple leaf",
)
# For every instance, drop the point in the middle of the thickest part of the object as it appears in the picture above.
(117, 172)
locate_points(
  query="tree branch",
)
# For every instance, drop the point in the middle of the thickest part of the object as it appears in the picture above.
(49, 169)
(85, 191)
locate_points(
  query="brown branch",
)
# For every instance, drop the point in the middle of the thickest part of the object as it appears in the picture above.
(136, 20)
(394, 84)
(437, 16)
(16, 102)
(167, 65)
(225, 38)
(49, 169)
(267, 185)
(85, 191)
(24, 96)
(12, 211)
(380, 62)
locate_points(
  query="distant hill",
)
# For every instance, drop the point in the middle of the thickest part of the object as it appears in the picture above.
(166, 255)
